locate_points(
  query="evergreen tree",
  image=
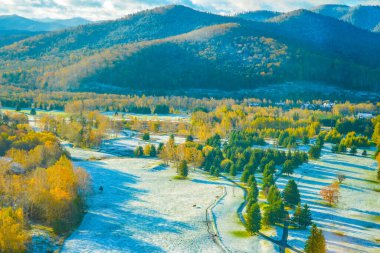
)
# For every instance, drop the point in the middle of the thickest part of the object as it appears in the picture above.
(183, 169)
(274, 194)
(269, 168)
(274, 212)
(189, 138)
(342, 148)
(139, 151)
(353, 150)
(18, 107)
(254, 219)
(244, 176)
(316, 242)
(302, 216)
(288, 167)
(291, 194)
(33, 111)
(253, 193)
(268, 181)
(315, 151)
(305, 140)
(146, 137)
(153, 151)
(251, 179)
(233, 170)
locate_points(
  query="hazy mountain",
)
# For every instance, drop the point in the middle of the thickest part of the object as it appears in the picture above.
(8, 37)
(328, 35)
(14, 22)
(332, 10)
(65, 22)
(176, 47)
(365, 17)
(260, 16)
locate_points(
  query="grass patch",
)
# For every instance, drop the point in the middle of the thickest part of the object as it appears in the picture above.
(376, 189)
(338, 233)
(178, 177)
(240, 234)
(371, 181)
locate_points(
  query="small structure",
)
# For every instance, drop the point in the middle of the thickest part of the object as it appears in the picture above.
(364, 115)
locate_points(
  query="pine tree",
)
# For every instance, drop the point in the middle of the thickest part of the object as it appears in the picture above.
(274, 212)
(302, 216)
(254, 219)
(253, 193)
(316, 242)
(353, 150)
(291, 193)
(268, 181)
(233, 170)
(269, 168)
(138, 151)
(288, 167)
(146, 137)
(274, 194)
(244, 176)
(251, 180)
(183, 170)
(153, 151)
(33, 111)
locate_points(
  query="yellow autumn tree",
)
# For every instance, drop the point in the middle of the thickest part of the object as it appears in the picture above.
(13, 236)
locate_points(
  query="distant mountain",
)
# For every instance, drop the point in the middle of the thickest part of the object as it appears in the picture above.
(259, 16)
(14, 22)
(8, 37)
(332, 10)
(365, 17)
(65, 22)
(329, 35)
(175, 47)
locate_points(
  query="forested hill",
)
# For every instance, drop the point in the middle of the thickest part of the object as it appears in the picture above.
(178, 47)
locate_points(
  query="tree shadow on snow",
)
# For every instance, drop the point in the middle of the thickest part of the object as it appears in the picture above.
(113, 222)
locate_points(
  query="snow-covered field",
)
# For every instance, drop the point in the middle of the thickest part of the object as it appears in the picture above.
(231, 230)
(142, 209)
(128, 140)
(354, 224)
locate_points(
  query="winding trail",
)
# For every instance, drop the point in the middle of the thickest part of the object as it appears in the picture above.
(281, 243)
(211, 223)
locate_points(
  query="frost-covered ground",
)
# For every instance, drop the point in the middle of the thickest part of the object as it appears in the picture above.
(231, 230)
(354, 224)
(142, 209)
(128, 140)
(154, 117)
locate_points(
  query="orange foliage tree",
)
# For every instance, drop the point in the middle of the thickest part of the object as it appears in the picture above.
(330, 193)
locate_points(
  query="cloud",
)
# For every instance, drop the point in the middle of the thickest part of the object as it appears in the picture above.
(111, 9)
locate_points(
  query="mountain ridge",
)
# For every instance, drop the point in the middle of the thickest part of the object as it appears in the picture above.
(144, 51)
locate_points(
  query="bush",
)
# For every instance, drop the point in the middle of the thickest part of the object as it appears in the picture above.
(146, 137)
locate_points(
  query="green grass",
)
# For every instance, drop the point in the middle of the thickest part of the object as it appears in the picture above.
(339, 233)
(240, 233)
(376, 189)
(178, 177)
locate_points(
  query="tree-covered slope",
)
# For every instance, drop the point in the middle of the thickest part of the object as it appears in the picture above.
(259, 16)
(178, 47)
(337, 38)
(365, 17)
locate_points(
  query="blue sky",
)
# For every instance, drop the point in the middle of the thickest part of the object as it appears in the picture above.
(111, 9)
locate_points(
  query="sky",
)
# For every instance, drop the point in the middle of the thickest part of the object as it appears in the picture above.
(112, 9)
